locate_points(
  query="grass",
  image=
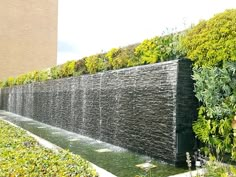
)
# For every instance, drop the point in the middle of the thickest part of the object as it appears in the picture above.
(21, 155)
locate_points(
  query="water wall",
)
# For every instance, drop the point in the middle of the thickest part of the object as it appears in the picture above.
(147, 109)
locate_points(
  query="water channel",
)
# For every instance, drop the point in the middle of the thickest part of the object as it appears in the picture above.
(116, 160)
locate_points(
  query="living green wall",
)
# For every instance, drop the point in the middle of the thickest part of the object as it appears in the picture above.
(211, 46)
(215, 88)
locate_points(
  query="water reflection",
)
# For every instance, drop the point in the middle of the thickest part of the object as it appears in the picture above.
(116, 160)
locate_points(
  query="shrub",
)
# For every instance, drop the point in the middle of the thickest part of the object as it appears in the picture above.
(118, 58)
(35, 76)
(55, 72)
(38, 76)
(21, 79)
(147, 52)
(91, 64)
(80, 67)
(215, 88)
(67, 69)
(133, 60)
(22, 156)
(213, 40)
(96, 63)
(215, 168)
(159, 49)
(9, 82)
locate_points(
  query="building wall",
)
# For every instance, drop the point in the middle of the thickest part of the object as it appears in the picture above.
(147, 109)
(28, 36)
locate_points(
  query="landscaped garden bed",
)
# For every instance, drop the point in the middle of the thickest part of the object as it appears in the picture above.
(21, 155)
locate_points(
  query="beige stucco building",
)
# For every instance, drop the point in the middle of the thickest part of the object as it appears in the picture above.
(28, 36)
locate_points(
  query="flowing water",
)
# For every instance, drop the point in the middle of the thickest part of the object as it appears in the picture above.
(116, 160)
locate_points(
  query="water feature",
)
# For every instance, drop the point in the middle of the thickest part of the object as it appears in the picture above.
(116, 160)
(147, 109)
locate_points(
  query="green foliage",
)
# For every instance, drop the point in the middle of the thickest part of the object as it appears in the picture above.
(39, 76)
(9, 82)
(212, 41)
(80, 67)
(159, 49)
(129, 54)
(215, 88)
(35, 76)
(91, 64)
(96, 63)
(215, 168)
(150, 51)
(23, 79)
(22, 156)
(67, 69)
(147, 51)
(55, 72)
(118, 58)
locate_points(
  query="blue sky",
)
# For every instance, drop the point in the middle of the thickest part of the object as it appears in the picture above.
(87, 27)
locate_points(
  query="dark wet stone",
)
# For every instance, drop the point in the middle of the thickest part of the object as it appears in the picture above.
(147, 109)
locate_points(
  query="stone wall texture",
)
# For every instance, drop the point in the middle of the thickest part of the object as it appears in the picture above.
(148, 109)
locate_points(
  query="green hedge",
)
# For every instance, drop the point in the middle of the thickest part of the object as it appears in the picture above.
(22, 156)
(152, 50)
(212, 41)
(215, 88)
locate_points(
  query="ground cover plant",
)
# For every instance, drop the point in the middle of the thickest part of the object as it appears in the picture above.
(21, 155)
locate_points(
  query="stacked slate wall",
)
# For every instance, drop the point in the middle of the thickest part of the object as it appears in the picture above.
(147, 109)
